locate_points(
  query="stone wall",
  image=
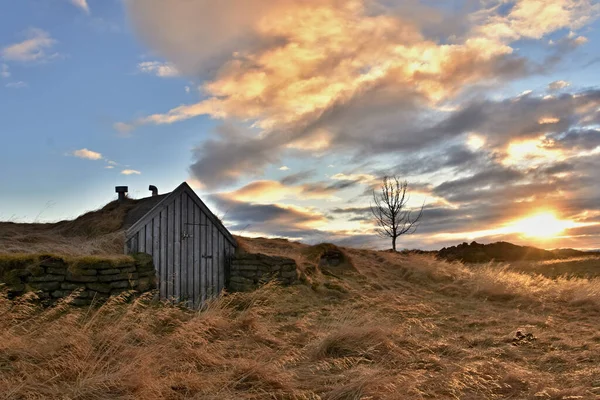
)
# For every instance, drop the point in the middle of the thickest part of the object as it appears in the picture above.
(54, 277)
(248, 271)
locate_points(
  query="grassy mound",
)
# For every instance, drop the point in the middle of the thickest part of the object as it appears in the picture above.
(328, 257)
(93, 233)
(504, 251)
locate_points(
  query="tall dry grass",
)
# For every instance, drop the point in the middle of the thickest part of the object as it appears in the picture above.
(393, 327)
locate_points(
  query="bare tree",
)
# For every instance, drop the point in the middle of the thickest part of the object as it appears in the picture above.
(389, 210)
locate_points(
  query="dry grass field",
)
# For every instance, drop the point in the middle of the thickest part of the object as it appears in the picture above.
(390, 326)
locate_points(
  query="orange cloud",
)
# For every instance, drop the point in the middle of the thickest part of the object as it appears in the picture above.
(334, 50)
(130, 172)
(271, 191)
(87, 154)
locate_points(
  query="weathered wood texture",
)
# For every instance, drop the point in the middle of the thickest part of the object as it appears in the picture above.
(190, 247)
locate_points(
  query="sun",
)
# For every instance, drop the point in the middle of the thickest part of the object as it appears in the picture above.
(544, 225)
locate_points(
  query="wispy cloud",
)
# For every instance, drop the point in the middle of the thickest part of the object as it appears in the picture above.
(81, 4)
(130, 172)
(284, 168)
(4, 71)
(87, 154)
(34, 48)
(123, 128)
(161, 69)
(102, 25)
(17, 85)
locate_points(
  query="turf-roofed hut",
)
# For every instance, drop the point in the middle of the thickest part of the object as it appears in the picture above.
(190, 247)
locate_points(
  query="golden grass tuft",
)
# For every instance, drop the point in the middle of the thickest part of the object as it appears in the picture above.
(369, 343)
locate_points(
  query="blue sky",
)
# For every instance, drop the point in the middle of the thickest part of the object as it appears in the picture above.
(284, 116)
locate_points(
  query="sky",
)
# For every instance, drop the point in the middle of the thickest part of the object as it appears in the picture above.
(285, 115)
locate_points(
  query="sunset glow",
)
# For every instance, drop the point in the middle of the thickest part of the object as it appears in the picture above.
(531, 152)
(285, 115)
(544, 225)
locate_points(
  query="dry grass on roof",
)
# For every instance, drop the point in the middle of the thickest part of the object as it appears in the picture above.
(94, 233)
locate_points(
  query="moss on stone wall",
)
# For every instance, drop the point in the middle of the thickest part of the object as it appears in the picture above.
(53, 277)
(248, 271)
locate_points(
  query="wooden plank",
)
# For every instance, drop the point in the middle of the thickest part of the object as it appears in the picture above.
(184, 248)
(223, 243)
(190, 250)
(163, 253)
(203, 269)
(132, 244)
(209, 260)
(156, 244)
(229, 257)
(227, 265)
(170, 247)
(149, 237)
(219, 262)
(142, 239)
(197, 240)
(177, 249)
(215, 266)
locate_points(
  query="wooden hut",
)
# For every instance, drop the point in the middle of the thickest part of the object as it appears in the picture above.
(190, 246)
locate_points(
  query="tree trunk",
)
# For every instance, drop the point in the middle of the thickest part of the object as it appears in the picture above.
(394, 243)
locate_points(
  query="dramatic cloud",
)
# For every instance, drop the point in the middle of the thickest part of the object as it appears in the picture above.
(268, 191)
(319, 75)
(32, 49)
(224, 160)
(87, 154)
(195, 183)
(384, 87)
(161, 69)
(81, 4)
(272, 219)
(298, 177)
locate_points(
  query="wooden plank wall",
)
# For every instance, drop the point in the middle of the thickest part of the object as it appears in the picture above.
(190, 253)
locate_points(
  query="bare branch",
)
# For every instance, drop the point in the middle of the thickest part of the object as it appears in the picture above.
(389, 210)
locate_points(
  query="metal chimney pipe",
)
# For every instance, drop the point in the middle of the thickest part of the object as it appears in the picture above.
(122, 190)
(154, 190)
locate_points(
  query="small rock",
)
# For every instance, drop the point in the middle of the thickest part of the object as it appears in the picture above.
(523, 338)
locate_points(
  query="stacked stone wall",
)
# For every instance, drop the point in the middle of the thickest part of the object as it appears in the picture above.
(54, 277)
(248, 271)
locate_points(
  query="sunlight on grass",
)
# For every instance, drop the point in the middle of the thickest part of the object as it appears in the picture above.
(404, 324)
